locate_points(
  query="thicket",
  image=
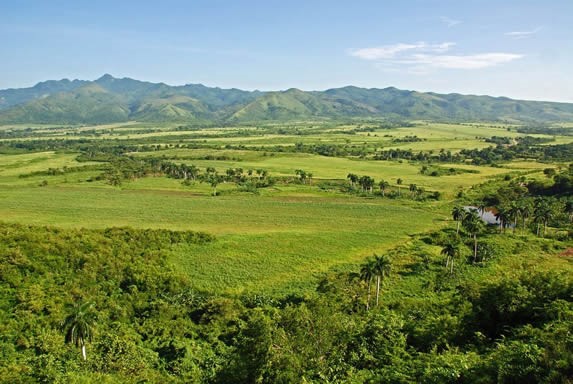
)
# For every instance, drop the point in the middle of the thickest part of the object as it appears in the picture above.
(150, 325)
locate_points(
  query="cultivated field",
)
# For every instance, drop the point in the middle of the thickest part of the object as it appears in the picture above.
(277, 239)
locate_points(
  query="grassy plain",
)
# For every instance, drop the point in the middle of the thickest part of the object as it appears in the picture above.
(278, 240)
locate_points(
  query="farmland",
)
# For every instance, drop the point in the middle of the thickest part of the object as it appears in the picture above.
(197, 243)
(279, 239)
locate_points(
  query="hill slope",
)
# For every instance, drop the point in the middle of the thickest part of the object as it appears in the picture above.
(109, 99)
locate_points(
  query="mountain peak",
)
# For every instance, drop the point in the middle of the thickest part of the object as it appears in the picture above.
(105, 78)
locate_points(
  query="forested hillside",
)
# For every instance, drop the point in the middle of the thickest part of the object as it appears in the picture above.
(108, 100)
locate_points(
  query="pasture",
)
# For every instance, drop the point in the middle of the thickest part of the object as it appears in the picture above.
(278, 240)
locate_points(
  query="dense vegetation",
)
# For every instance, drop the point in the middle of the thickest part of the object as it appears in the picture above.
(108, 100)
(285, 252)
(502, 318)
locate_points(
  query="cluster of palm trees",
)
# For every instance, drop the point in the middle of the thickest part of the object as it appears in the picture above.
(367, 184)
(303, 176)
(212, 177)
(376, 267)
(127, 168)
(471, 221)
(415, 190)
(539, 211)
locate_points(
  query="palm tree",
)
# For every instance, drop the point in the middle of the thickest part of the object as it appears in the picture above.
(382, 268)
(526, 210)
(513, 213)
(353, 179)
(78, 326)
(502, 216)
(193, 172)
(367, 183)
(473, 224)
(383, 186)
(366, 274)
(481, 207)
(399, 182)
(413, 189)
(301, 174)
(542, 213)
(214, 180)
(451, 250)
(458, 214)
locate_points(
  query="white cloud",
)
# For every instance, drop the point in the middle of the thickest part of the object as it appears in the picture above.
(422, 57)
(450, 22)
(478, 61)
(394, 50)
(522, 34)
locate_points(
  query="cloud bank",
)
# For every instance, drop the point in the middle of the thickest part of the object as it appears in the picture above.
(422, 56)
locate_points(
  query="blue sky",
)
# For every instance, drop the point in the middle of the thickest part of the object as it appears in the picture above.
(521, 49)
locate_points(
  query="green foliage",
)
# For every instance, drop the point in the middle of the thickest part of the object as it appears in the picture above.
(151, 325)
(108, 100)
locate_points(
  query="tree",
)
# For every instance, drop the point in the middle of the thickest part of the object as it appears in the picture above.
(78, 326)
(413, 188)
(451, 250)
(309, 175)
(542, 213)
(383, 186)
(193, 172)
(399, 182)
(214, 180)
(473, 224)
(366, 274)
(458, 214)
(526, 210)
(503, 217)
(382, 267)
(481, 207)
(366, 182)
(301, 174)
(513, 213)
(353, 179)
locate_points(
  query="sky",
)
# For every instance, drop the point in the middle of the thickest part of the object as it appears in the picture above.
(520, 49)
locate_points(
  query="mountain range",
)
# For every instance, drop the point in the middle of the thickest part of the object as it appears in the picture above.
(110, 100)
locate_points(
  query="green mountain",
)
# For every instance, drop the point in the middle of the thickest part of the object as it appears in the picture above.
(13, 97)
(87, 104)
(297, 104)
(109, 99)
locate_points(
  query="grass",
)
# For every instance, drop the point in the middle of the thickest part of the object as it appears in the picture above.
(263, 243)
(338, 168)
(278, 241)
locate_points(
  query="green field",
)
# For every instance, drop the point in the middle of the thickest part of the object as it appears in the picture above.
(274, 242)
(277, 240)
